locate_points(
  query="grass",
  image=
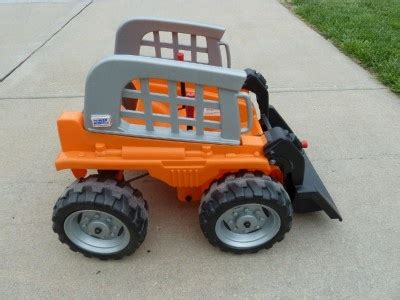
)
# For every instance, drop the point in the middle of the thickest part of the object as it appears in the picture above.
(367, 30)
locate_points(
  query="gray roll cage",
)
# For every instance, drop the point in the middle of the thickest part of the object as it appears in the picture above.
(107, 81)
(131, 35)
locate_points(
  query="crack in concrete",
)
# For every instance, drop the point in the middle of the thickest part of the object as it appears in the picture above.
(375, 157)
(271, 90)
(324, 89)
(44, 43)
(42, 97)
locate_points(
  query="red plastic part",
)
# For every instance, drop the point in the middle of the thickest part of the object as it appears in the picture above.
(180, 56)
(304, 144)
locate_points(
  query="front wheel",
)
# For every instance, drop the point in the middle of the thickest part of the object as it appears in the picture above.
(245, 212)
(101, 217)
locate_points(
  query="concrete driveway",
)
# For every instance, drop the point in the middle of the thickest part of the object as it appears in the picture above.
(351, 121)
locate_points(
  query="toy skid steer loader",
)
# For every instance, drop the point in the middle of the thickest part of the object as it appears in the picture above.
(190, 124)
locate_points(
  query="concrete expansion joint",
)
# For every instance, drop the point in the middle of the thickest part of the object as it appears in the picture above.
(325, 89)
(374, 157)
(76, 14)
(271, 90)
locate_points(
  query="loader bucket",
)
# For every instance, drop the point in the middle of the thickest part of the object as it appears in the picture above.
(285, 150)
(312, 195)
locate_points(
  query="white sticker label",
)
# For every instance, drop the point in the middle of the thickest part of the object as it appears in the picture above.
(211, 111)
(101, 120)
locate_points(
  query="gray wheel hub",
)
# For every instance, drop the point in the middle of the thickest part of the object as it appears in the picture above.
(247, 226)
(96, 231)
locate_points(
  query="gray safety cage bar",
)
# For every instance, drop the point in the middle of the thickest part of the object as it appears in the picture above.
(130, 39)
(106, 85)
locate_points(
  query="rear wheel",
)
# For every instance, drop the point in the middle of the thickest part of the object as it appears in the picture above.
(245, 212)
(101, 217)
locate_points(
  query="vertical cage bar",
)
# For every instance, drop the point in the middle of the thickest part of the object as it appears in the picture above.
(230, 118)
(144, 85)
(193, 47)
(214, 53)
(175, 46)
(157, 46)
(173, 108)
(199, 110)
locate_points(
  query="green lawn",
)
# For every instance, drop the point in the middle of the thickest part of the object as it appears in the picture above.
(367, 30)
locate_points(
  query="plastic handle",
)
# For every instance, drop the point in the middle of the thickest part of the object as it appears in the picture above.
(228, 53)
(249, 108)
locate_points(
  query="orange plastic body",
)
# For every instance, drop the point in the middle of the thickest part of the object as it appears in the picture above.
(188, 166)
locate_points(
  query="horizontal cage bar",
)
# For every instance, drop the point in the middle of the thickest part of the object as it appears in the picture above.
(160, 117)
(194, 122)
(128, 93)
(132, 94)
(133, 114)
(171, 46)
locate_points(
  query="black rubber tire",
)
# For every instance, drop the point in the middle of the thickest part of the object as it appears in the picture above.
(108, 195)
(238, 189)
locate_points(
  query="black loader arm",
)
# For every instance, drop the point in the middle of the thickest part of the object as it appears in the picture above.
(257, 84)
(285, 150)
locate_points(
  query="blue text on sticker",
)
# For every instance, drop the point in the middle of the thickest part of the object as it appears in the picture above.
(101, 120)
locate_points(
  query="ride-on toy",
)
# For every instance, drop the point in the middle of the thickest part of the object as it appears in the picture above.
(191, 124)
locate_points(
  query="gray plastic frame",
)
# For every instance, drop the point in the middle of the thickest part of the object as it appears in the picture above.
(105, 87)
(130, 38)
